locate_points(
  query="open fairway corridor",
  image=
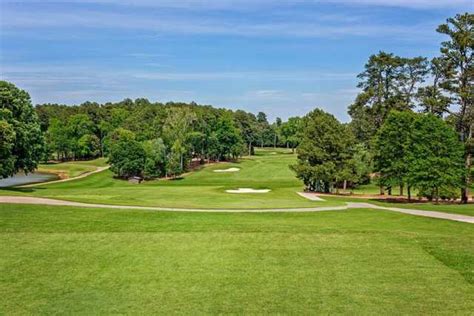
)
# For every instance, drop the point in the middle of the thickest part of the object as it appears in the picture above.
(59, 259)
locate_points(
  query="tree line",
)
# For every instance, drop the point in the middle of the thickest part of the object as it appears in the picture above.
(412, 124)
(140, 138)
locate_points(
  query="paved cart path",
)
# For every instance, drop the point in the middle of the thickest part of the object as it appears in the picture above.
(349, 205)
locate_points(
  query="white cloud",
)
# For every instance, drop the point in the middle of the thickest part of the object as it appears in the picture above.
(250, 75)
(308, 27)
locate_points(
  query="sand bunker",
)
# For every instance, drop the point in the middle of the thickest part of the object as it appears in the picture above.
(227, 170)
(248, 190)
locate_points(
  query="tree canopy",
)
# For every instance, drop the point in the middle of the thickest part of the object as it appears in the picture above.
(324, 152)
(21, 139)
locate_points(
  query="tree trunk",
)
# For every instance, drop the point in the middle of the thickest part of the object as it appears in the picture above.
(382, 191)
(389, 190)
(250, 149)
(409, 193)
(344, 186)
(401, 189)
(437, 194)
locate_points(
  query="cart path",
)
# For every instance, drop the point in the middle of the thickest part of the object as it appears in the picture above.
(85, 174)
(48, 201)
(349, 205)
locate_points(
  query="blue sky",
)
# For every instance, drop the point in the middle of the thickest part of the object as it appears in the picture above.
(278, 56)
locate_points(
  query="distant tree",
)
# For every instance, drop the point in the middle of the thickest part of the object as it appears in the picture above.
(391, 150)
(118, 134)
(177, 126)
(228, 136)
(435, 157)
(104, 128)
(430, 97)
(88, 146)
(324, 153)
(118, 116)
(289, 132)
(57, 139)
(457, 79)
(388, 83)
(262, 118)
(264, 130)
(78, 126)
(248, 125)
(412, 73)
(20, 132)
(127, 158)
(363, 163)
(155, 158)
(175, 159)
(197, 142)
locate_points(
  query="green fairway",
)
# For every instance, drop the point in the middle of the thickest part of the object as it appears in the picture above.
(94, 261)
(73, 168)
(466, 209)
(202, 189)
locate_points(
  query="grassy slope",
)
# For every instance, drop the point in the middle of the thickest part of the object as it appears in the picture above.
(203, 189)
(73, 168)
(86, 261)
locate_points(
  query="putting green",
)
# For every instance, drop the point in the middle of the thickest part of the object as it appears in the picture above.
(200, 189)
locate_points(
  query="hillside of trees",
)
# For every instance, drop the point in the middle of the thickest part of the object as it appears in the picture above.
(154, 139)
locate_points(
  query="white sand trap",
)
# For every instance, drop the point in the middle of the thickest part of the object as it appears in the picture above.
(248, 190)
(227, 170)
(310, 196)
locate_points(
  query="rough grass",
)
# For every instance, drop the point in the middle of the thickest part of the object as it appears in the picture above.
(64, 260)
(73, 168)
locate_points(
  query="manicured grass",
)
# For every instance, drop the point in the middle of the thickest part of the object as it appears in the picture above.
(64, 260)
(206, 188)
(73, 168)
(466, 209)
(201, 189)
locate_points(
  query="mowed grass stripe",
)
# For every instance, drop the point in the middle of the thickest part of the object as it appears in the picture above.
(74, 260)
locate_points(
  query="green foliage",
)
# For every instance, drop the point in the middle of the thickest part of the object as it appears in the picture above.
(324, 153)
(363, 163)
(155, 158)
(7, 142)
(435, 157)
(21, 139)
(392, 148)
(388, 83)
(229, 139)
(420, 151)
(289, 132)
(127, 158)
(248, 126)
(431, 99)
(457, 78)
